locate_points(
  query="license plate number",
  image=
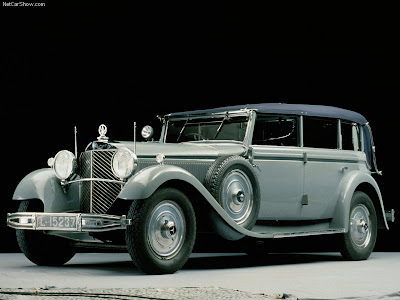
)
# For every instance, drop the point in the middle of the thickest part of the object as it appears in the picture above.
(56, 222)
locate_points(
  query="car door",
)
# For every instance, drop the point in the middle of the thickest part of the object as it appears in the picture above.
(324, 167)
(279, 160)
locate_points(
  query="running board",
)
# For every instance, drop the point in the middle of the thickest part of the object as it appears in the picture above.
(306, 233)
(273, 234)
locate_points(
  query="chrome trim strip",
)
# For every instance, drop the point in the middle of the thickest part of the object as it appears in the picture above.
(295, 157)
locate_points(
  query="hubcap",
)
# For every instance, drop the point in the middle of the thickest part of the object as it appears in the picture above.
(167, 228)
(237, 195)
(360, 226)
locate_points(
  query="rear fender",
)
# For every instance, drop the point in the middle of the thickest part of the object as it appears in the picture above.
(43, 184)
(350, 184)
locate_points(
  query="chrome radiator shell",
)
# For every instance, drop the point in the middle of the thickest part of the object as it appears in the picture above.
(97, 196)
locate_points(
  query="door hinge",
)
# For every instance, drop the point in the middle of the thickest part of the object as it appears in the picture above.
(304, 157)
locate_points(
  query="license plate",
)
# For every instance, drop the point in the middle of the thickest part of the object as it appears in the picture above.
(63, 222)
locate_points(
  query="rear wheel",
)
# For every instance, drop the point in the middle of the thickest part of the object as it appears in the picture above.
(163, 231)
(359, 241)
(38, 247)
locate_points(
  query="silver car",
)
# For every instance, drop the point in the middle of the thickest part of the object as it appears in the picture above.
(262, 171)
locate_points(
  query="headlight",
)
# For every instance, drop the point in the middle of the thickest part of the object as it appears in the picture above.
(147, 132)
(124, 163)
(64, 164)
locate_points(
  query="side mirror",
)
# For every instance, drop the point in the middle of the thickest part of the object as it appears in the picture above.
(147, 132)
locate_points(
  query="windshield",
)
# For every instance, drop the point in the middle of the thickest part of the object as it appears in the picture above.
(224, 128)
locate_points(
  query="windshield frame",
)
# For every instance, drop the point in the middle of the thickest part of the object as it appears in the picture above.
(249, 114)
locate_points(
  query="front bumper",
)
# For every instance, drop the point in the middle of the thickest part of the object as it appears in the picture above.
(71, 222)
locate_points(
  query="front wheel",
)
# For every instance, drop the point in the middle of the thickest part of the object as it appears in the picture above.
(38, 247)
(359, 241)
(163, 231)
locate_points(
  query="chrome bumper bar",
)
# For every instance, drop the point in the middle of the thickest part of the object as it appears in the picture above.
(65, 182)
(75, 222)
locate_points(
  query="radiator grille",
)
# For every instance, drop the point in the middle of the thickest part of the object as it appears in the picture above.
(97, 196)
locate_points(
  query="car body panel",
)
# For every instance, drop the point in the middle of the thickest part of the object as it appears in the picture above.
(325, 169)
(281, 178)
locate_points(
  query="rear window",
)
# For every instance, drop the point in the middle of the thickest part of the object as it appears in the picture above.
(350, 136)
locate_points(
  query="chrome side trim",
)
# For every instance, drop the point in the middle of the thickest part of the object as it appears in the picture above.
(84, 222)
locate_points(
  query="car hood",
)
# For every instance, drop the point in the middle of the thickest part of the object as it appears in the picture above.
(187, 150)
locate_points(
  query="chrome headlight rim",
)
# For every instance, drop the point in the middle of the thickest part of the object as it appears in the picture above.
(70, 167)
(131, 164)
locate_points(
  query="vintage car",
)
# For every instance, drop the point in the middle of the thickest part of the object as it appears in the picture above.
(262, 171)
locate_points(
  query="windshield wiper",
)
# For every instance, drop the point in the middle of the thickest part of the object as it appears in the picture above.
(220, 126)
(183, 128)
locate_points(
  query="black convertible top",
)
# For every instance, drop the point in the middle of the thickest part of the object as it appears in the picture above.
(290, 109)
(302, 110)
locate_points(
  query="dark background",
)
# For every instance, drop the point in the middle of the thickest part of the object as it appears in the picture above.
(86, 63)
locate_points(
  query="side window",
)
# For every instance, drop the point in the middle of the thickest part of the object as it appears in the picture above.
(320, 133)
(350, 136)
(276, 131)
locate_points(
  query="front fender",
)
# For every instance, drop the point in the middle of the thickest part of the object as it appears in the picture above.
(143, 184)
(43, 184)
(348, 187)
(146, 182)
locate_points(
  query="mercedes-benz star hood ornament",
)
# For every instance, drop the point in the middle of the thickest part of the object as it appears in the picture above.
(102, 132)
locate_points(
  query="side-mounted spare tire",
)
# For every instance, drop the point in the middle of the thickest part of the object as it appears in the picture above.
(233, 183)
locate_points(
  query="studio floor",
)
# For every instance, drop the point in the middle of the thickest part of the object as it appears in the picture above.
(293, 275)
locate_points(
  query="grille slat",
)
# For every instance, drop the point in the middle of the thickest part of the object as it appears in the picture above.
(97, 196)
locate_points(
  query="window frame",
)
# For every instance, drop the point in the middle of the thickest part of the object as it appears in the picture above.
(249, 114)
